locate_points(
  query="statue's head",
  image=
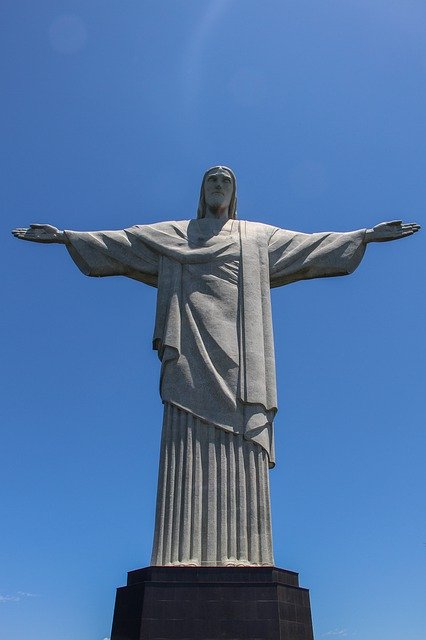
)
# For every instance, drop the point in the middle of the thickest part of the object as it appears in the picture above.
(218, 192)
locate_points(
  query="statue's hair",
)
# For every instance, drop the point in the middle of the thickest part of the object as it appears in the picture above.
(232, 211)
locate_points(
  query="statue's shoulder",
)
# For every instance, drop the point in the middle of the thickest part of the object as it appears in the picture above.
(261, 226)
(258, 229)
(179, 224)
(167, 226)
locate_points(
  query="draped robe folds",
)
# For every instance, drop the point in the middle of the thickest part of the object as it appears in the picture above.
(213, 328)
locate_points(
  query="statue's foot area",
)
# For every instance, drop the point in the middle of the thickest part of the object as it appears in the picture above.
(224, 562)
(182, 563)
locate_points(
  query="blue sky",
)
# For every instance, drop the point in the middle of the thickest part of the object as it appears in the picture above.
(111, 111)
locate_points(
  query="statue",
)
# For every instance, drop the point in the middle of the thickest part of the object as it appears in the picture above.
(213, 335)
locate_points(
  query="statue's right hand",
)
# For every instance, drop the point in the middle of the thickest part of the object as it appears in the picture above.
(40, 233)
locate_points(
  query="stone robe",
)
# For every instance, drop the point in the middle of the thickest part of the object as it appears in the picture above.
(213, 334)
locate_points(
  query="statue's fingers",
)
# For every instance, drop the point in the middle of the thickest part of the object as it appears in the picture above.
(411, 230)
(27, 236)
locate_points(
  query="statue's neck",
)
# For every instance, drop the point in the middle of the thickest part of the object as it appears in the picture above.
(220, 214)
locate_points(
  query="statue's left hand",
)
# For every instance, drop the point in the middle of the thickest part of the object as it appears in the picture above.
(386, 231)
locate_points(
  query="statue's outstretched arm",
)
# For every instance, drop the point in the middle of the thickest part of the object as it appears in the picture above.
(386, 231)
(41, 233)
(101, 253)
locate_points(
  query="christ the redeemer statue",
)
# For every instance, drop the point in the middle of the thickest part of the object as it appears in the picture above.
(213, 334)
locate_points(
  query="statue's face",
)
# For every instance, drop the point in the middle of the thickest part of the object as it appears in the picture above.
(218, 189)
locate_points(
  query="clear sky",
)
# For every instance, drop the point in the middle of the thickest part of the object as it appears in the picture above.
(111, 111)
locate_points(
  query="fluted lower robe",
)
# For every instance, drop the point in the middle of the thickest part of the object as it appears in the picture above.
(213, 333)
(213, 502)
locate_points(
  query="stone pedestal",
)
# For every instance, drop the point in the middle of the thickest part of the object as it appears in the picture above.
(212, 603)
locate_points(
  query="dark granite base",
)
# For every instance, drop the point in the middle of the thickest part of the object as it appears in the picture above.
(212, 603)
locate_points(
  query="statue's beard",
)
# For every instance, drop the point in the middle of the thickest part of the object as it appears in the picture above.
(216, 202)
